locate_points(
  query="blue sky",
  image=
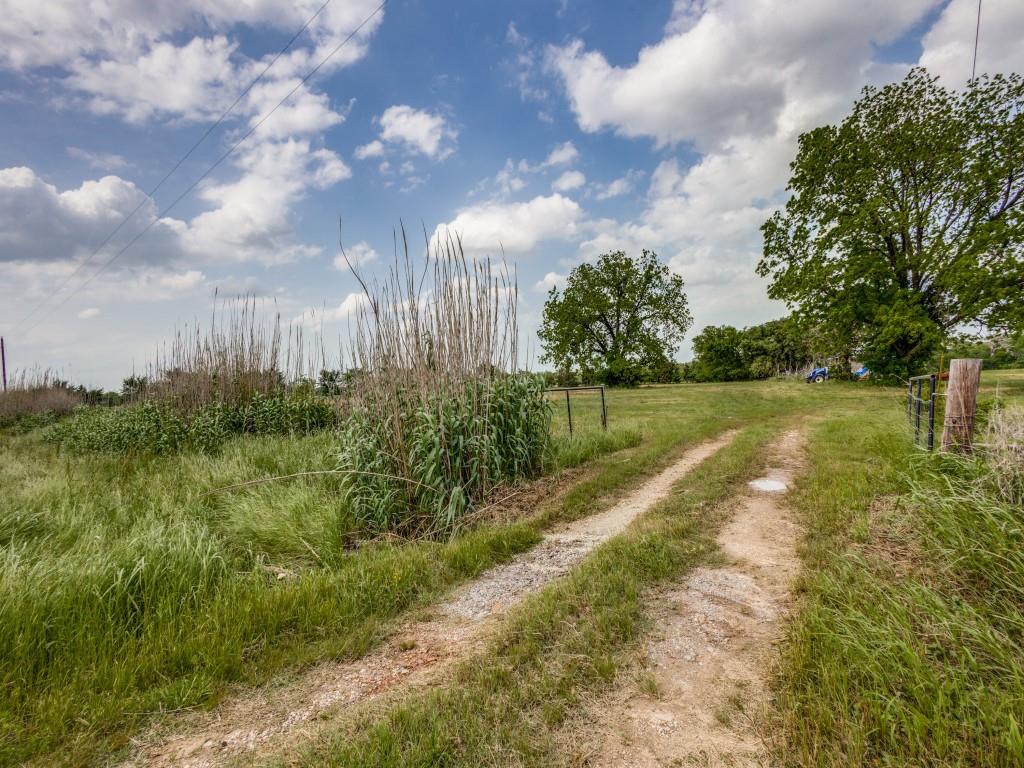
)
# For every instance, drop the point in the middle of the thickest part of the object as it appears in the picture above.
(557, 130)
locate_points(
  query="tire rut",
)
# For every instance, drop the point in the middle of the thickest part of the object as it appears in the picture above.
(254, 721)
(704, 696)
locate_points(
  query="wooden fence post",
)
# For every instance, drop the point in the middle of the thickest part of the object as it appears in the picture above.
(961, 405)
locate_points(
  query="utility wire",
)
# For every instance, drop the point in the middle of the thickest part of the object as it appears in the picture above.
(212, 127)
(219, 160)
(977, 29)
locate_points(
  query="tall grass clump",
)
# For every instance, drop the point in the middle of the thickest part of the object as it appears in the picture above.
(1004, 452)
(440, 415)
(240, 356)
(909, 648)
(34, 397)
(972, 509)
(241, 375)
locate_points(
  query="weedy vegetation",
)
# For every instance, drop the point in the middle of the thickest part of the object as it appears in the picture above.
(440, 416)
(35, 398)
(240, 376)
(127, 589)
(909, 646)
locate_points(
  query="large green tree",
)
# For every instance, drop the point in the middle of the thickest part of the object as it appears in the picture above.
(906, 221)
(724, 353)
(616, 319)
(718, 355)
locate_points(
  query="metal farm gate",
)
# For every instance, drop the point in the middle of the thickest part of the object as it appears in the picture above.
(568, 403)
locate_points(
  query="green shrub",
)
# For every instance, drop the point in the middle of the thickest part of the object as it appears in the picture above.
(453, 451)
(26, 422)
(152, 426)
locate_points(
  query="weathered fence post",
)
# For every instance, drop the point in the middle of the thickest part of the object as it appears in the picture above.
(932, 389)
(961, 405)
(568, 409)
(917, 411)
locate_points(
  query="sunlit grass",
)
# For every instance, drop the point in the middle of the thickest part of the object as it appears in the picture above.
(126, 588)
(907, 649)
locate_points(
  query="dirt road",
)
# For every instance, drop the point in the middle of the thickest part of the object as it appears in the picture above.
(255, 722)
(699, 697)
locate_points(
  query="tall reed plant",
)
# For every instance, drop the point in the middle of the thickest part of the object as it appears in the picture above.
(243, 374)
(440, 415)
(1003, 451)
(36, 395)
(240, 355)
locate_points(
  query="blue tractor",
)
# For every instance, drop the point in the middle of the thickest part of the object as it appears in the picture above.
(817, 375)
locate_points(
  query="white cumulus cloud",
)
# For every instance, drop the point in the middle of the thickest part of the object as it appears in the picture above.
(563, 154)
(349, 308)
(948, 47)
(620, 186)
(374, 149)
(739, 68)
(250, 216)
(101, 161)
(516, 227)
(359, 254)
(55, 32)
(568, 181)
(738, 81)
(417, 130)
(184, 281)
(40, 223)
(549, 281)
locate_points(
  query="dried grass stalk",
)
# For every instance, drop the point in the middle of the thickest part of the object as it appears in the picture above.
(240, 355)
(437, 401)
(1004, 451)
(37, 391)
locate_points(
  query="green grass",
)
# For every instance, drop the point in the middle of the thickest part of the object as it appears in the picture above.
(569, 640)
(125, 590)
(907, 649)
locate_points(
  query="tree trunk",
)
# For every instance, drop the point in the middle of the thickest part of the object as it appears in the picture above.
(961, 405)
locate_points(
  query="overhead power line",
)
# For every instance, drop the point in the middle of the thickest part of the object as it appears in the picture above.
(185, 157)
(210, 129)
(977, 29)
(219, 160)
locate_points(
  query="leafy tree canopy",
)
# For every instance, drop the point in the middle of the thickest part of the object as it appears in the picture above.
(718, 355)
(615, 319)
(906, 221)
(724, 353)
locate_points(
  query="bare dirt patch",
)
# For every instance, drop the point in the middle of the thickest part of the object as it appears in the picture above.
(256, 722)
(567, 545)
(700, 694)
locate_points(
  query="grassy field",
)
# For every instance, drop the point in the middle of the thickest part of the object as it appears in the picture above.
(905, 649)
(127, 590)
(909, 646)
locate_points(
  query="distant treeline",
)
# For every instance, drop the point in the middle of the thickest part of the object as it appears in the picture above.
(721, 353)
(724, 353)
(787, 347)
